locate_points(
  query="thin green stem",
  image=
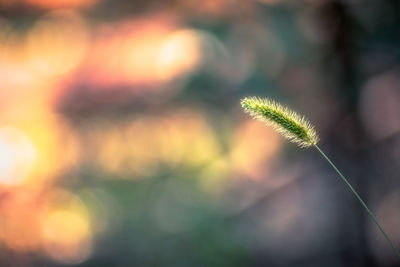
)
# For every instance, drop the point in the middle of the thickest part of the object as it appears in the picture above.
(359, 198)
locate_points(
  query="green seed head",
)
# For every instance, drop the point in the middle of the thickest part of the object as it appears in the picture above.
(291, 125)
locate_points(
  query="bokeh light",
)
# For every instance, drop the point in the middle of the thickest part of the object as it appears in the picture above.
(253, 146)
(56, 43)
(39, 146)
(390, 221)
(20, 210)
(379, 107)
(65, 236)
(17, 156)
(66, 230)
(181, 138)
(171, 62)
(126, 53)
(49, 4)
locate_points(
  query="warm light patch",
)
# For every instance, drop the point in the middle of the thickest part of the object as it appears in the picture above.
(17, 156)
(14, 72)
(186, 138)
(20, 209)
(126, 53)
(66, 235)
(180, 53)
(52, 4)
(57, 43)
(140, 147)
(253, 145)
(54, 142)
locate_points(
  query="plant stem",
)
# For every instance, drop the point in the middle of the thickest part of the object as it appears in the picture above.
(359, 198)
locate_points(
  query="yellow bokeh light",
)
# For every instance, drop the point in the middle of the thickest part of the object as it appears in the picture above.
(17, 156)
(54, 143)
(142, 146)
(65, 227)
(186, 137)
(66, 231)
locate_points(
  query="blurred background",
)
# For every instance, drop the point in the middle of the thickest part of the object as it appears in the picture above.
(122, 141)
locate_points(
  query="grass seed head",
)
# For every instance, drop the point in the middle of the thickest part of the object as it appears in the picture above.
(287, 122)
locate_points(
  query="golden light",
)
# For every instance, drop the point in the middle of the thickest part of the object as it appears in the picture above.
(192, 135)
(57, 148)
(30, 62)
(57, 43)
(25, 96)
(179, 54)
(17, 156)
(66, 232)
(139, 51)
(253, 146)
(140, 147)
(54, 143)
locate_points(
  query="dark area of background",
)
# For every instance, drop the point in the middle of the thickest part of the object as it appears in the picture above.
(122, 141)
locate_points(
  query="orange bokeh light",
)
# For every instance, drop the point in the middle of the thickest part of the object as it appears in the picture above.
(20, 210)
(126, 53)
(253, 146)
(54, 4)
(57, 43)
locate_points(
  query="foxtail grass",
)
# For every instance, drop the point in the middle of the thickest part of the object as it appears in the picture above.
(299, 130)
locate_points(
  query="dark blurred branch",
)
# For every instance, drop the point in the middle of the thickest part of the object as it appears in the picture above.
(342, 66)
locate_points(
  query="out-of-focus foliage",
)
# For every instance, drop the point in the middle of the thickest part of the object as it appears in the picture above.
(122, 141)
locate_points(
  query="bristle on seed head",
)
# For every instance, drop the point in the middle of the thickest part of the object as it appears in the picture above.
(287, 122)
